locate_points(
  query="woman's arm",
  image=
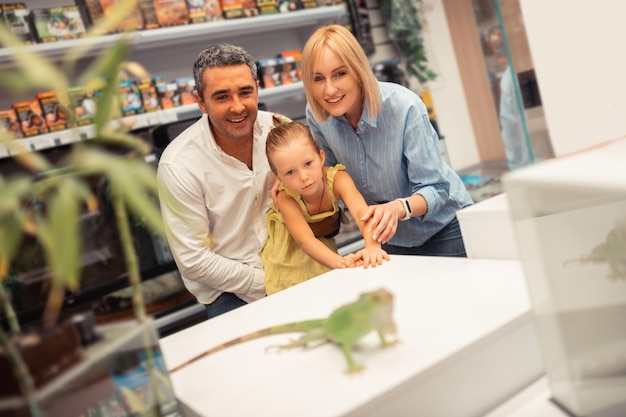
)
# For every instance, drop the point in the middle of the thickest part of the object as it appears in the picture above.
(300, 230)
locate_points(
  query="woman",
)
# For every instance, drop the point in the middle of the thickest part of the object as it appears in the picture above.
(381, 132)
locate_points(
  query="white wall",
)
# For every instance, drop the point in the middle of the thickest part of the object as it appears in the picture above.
(578, 51)
(447, 90)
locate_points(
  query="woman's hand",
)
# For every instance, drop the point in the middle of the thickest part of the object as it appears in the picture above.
(382, 220)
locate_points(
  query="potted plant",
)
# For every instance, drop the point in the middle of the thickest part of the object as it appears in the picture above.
(404, 21)
(61, 192)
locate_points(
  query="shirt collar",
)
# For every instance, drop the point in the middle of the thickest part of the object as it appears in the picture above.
(365, 118)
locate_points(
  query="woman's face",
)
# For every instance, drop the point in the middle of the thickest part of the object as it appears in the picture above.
(335, 88)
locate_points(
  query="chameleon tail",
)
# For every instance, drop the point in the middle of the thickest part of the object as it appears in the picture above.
(302, 326)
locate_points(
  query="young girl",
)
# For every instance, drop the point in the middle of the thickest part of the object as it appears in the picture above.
(300, 242)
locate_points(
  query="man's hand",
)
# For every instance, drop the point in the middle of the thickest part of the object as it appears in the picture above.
(274, 194)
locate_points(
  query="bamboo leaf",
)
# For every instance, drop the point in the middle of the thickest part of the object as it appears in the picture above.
(11, 237)
(108, 63)
(63, 220)
(108, 104)
(124, 139)
(134, 180)
(11, 192)
(39, 71)
(32, 161)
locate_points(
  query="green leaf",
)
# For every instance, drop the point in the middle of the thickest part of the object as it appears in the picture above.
(134, 180)
(39, 71)
(11, 236)
(108, 63)
(64, 247)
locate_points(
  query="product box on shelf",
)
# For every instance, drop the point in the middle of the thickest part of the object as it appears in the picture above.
(289, 70)
(171, 12)
(130, 97)
(134, 21)
(54, 114)
(150, 19)
(204, 11)
(30, 116)
(569, 218)
(149, 95)
(293, 5)
(9, 124)
(293, 56)
(90, 10)
(186, 85)
(58, 23)
(267, 6)
(233, 9)
(83, 105)
(269, 72)
(168, 94)
(16, 17)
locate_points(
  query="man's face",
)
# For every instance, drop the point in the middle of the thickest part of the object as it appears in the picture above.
(230, 99)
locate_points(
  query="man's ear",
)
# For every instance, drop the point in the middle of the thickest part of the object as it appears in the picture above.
(199, 101)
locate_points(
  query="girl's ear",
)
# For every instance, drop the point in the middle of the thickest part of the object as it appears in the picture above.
(322, 156)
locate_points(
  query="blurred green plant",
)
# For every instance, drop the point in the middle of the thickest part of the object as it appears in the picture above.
(62, 189)
(405, 27)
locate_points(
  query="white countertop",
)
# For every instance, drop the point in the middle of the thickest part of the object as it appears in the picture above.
(468, 345)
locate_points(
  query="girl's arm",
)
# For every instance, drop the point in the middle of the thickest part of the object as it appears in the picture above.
(300, 230)
(344, 188)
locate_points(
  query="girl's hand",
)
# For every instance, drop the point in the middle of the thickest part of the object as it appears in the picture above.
(382, 220)
(372, 256)
(349, 261)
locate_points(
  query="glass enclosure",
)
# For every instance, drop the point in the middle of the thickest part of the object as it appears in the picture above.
(513, 83)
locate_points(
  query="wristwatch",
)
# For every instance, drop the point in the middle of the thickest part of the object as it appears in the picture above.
(407, 208)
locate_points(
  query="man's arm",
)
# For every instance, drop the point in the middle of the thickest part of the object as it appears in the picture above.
(187, 227)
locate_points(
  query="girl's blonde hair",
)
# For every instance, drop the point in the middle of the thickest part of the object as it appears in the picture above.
(343, 44)
(285, 132)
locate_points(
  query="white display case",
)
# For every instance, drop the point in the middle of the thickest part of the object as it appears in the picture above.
(487, 229)
(569, 218)
(467, 344)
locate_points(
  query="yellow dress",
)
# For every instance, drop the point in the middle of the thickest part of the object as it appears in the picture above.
(285, 263)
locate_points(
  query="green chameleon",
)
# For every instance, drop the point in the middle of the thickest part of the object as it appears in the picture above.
(612, 251)
(345, 326)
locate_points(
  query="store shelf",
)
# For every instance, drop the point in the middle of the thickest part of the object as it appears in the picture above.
(207, 32)
(140, 121)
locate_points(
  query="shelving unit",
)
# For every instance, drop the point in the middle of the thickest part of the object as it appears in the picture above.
(140, 121)
(206, 32)
(149, 41)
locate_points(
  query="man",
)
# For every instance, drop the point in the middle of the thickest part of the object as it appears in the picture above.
(215, 181)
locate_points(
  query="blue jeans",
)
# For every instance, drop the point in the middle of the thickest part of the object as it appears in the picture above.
(225, 302)
(446, 242)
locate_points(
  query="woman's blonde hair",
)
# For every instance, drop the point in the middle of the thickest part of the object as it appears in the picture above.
(343, 44)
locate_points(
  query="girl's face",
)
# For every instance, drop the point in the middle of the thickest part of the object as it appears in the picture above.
(335, 88)
(300, 167)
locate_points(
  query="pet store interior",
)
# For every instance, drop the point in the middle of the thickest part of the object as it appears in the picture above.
(526, 97)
